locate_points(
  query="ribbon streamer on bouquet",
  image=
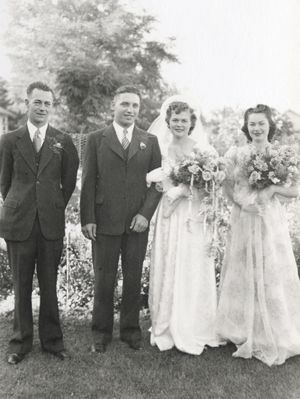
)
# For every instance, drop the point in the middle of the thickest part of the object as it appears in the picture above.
(190, 199)
(215, 206)
(213, 209)
(213, 193)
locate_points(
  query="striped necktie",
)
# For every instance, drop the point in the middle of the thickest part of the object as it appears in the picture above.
(125, 142)
(37, 140)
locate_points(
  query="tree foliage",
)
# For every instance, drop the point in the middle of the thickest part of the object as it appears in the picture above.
(8, 104)
(5, 101)
(86, 49)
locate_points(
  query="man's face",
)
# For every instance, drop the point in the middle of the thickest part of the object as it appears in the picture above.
(39, 105)
(126, 108)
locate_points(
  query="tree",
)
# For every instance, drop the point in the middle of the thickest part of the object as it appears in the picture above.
(14, 116)
(86, 49)
(5, 101)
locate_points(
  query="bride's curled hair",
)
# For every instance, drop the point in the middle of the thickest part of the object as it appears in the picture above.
(177, 107)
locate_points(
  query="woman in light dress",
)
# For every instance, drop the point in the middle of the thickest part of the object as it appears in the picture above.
(182, 296)
(259, 304)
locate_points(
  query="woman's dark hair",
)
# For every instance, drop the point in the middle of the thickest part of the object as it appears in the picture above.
(177, 107)
(259, 109)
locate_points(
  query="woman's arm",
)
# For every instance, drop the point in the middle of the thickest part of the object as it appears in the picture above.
(289, 192)
(286, 192)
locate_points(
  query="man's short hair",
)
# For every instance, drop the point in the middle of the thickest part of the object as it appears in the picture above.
(40, 86)
(128, 89)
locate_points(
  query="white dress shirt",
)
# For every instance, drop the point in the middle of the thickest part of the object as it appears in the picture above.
(120, 131)
(32, 129)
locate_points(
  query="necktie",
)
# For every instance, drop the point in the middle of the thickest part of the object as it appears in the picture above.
(37, 140)
(125, 141)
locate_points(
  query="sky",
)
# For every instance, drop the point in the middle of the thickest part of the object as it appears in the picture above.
(231, 52)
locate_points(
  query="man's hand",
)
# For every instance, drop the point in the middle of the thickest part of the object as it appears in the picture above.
(139, 223)
(89, 231)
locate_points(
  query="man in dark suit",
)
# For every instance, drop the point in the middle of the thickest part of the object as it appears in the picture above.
(38, 168)
(116, 207)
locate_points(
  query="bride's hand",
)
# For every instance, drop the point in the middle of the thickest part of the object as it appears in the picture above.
(252, 208)
(159, 187)
(185, 190)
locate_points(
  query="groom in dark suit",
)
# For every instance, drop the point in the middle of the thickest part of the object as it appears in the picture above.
(38, 167)
(116, 207)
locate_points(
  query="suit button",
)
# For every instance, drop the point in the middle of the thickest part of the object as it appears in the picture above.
(37, 182)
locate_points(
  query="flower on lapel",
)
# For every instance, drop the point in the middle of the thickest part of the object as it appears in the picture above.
(142, 146)
(55, 145)
(58, 146)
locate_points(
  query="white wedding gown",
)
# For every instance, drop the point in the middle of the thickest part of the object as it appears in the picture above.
(259, 304)
(182, 293)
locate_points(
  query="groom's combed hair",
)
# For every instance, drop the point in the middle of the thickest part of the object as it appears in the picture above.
(259, 109)
(128, 89)
(40, 86)
(180, 106)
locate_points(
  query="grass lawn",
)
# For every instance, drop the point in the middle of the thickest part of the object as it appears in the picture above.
(124, 373)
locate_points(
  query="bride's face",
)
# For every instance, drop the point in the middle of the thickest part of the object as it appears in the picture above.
(258, 127)
(180, 124)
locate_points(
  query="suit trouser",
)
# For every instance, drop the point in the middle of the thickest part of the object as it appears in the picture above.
(106, 252)
(23, 256)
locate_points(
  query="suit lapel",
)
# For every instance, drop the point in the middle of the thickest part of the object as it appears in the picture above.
(25, 147)
(113, 142)
(46, 152)
(137, 139)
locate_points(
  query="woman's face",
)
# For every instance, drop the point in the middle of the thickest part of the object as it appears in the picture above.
(180, 124)
(258, 127)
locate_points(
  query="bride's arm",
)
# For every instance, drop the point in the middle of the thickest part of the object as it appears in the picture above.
(173, 197)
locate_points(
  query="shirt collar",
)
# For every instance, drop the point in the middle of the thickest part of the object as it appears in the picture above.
(32, 129)
(119, 130)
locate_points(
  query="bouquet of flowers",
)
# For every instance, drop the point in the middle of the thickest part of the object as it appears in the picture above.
(279, 165)
(202, 170)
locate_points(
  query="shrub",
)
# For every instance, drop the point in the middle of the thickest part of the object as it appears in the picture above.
(76, 276)
(6, 284)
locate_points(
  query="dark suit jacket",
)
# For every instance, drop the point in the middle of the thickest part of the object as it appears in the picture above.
(114, 188)
(29, 190)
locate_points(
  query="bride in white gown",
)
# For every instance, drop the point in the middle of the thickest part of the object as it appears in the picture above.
(182, 297)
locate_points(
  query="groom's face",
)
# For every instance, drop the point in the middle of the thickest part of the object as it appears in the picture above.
(126, 108)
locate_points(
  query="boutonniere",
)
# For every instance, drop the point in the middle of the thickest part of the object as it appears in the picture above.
(55, 145)
(142, 146)
(58, 146)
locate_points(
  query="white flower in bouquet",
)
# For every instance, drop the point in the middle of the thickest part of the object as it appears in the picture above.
(273, 178)
(194, 169)
(254, 177)
(207, 175)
